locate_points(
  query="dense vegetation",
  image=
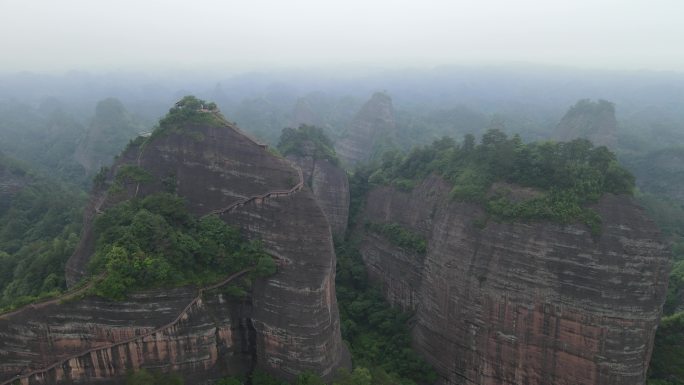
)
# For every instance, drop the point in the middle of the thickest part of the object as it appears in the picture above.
(307, 141)
(667, 362)
(152, 241)
(145, 377)
(666, 209)
(40, 221)
(376, 332)
(399, 236)
(567, 175)
(45, 137)
(187, 112)
(585, 107)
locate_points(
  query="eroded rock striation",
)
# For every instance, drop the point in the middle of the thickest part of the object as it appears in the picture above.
(330, 186)
(289, 323)
(522, 303)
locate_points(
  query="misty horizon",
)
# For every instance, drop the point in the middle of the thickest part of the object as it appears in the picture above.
(267, 36)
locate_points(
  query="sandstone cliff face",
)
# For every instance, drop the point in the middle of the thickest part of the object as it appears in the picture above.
(330, 186)
(517, 303)
(373, 126)
(95, 340)
(289, 324)
(590, 120)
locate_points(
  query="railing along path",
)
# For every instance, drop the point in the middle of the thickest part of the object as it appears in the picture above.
(49, 301)
(75, 292)
(132, 339)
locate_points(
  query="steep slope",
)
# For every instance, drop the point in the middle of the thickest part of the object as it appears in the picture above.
(311, 150)
(111, 128)
(589, 120)
(522, 303)
(373, 128)
(330, 186)
(218, 170)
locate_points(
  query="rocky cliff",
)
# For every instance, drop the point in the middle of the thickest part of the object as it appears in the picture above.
(111, 128)
(89, 340)
(330, 186)
(373, 127)
(590, 120)
(522, 303)
(288, 324)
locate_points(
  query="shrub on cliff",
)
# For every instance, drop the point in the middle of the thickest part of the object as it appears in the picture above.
(399, 236)
(187, 112)
(569, 175)
(307, 141)
(153, 241)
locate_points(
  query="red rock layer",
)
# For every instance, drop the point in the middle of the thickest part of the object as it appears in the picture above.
(523, 303)
(290, 323)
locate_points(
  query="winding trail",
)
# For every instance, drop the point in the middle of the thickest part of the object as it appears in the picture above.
(270, 194)
(69, 294)
(152, 332)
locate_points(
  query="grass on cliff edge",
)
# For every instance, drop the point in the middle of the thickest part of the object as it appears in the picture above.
(307, 141)
(399, 236)
(568, 175)
(154, 241)
(189, 111)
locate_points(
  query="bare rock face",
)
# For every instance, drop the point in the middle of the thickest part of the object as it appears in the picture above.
(288, 324)
(522, 303)
(96, 340)
(373, 126)
(330, 186)
(589, 120)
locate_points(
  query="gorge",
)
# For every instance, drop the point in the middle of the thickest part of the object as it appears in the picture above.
(497, 298)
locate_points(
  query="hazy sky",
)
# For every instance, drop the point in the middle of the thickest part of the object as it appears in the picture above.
(48, 35)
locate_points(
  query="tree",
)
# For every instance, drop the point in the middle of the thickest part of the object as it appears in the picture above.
(265, 266)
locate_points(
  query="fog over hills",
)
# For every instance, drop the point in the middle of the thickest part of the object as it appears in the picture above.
(342, 192)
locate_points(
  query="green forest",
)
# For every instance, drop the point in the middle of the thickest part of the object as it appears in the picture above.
(568, 175)
(307, 141)
(40, 223)
(154, 241)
